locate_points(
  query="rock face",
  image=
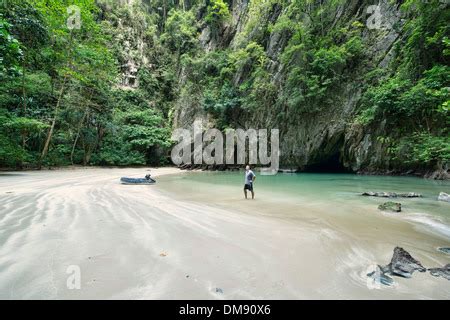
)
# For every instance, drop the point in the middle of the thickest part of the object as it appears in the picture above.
(130, 27)
(403, 264)
(310, 140)
(444, 197)
(441, 272)
(392, 194)
(314, 133)
(391, 206)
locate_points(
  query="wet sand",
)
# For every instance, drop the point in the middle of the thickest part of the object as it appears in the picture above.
(146, 242)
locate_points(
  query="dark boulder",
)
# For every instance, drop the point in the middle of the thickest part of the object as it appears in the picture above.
(441, 272)
(392, 194)
(403, 264)
(391, 206)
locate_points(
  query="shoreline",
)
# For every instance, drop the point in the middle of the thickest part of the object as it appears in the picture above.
(80, 167)
(422, 174)
(144, 242)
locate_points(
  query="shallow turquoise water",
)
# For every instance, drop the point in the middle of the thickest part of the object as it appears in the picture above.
(339, 193)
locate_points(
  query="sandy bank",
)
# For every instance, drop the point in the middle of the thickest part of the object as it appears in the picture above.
(135, 242)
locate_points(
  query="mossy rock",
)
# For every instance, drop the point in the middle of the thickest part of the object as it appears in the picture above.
(391, 206)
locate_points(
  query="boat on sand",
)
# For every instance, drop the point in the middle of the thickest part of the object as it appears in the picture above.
(138, 181)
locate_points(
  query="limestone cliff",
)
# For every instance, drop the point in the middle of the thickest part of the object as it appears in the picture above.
(329, 138)
(309, 68)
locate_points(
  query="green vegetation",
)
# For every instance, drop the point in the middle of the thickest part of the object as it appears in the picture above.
(59, 101)
(216, 16)
(414, 99)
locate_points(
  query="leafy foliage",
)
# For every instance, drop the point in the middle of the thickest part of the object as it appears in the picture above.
(413, 100)
(180, 31)
(217, 14)
(10, 52)
(423, 149)
(135, 134)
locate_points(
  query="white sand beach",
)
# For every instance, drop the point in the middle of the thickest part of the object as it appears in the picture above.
(139, 242)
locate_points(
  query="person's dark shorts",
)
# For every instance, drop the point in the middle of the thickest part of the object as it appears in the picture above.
(248, 187)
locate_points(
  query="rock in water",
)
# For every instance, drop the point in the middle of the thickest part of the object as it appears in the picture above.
(444, 250)
(381, 277)
(403, 264)
(392, 194)
(287, 170)
(444, 197)
(441, 272)
(380, 194)
(391, 206)
(410, 195)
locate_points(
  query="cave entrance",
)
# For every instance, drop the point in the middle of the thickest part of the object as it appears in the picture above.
(331, 164)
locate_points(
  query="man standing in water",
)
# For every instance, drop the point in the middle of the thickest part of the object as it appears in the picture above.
(249, 179)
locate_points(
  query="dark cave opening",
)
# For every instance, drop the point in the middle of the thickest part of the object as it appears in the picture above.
(332, 164)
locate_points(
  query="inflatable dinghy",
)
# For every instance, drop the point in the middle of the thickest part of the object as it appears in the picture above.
(138, 181)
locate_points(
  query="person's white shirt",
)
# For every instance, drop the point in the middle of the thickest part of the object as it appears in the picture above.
(249, 176)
